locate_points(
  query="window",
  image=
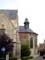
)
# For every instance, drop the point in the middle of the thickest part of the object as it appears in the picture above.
(35, 42)
(31, 42)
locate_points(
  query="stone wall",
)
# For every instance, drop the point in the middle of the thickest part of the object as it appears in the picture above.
(10, 26)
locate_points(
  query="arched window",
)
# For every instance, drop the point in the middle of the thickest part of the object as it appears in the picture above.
(31, 42)
(36, 43)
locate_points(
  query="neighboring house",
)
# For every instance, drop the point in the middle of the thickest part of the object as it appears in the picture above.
(27, 36)
(9, 25)
(41, 48)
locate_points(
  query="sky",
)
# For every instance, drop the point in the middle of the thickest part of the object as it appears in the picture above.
(34, 10)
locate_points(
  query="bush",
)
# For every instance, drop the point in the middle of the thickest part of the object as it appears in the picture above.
(30, 57)
(25, 52)
(24, 58)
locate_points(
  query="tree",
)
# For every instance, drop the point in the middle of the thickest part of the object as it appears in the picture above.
(5, 42)
(25, 51)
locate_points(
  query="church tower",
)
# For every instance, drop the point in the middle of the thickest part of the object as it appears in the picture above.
(26, 23)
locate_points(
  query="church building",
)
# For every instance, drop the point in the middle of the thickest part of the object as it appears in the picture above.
(28, 36)
(9, 25)
(18, 34)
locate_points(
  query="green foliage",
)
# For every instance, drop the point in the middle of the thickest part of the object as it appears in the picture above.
(25, 51)
(13, 58)
(28, 57)
(24, 58)
(5, 41)
(2, 55)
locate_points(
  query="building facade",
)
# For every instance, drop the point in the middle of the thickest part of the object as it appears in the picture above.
(19, 34)
(28, 36)
(41, 48)
(9, 22)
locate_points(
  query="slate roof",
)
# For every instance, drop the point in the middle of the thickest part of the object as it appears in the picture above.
(22, 29)
(12, 14)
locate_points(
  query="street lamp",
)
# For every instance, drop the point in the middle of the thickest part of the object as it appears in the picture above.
(3, 49)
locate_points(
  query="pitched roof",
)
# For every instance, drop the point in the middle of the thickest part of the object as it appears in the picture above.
(22, 29)
(10, 13)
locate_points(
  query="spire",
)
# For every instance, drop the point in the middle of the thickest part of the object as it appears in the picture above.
(26, 23)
